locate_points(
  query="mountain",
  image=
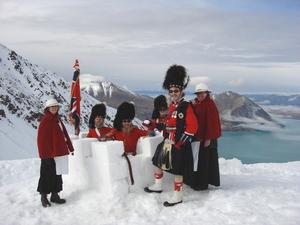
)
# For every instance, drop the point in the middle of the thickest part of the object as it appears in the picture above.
(276, 99)
(114, 95)
(24, 87)
(240, 113)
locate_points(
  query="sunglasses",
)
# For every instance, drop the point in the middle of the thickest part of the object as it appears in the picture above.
(126, 121)
(174, 91)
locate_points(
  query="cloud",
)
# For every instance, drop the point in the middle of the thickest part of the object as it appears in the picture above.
(131, 40)
(236, 82)
(200, 79)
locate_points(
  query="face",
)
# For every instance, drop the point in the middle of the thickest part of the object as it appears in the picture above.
(126, 123)
(175, 93)
(201, 96)
(99, 120)
(53, 109)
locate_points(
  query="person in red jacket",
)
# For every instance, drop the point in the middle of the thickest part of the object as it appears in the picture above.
(174, 154)
(53, 141)
(124, 129)
(159, 115)
(96, 123)
(208, 132)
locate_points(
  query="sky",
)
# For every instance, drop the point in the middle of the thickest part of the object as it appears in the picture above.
(250, 46)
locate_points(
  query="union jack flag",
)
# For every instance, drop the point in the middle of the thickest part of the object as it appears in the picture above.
(75, 98)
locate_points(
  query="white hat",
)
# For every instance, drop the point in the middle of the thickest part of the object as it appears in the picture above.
(51, 102)
(201, 87)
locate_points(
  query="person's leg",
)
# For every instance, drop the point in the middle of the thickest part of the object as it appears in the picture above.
(177, 194)
(157, 186)
(56, 189)
(47, 180)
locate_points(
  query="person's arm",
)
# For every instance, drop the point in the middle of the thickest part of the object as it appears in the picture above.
(190, 128)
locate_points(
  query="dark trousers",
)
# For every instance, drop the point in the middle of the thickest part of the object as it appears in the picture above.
(49, 181)
(208, 167)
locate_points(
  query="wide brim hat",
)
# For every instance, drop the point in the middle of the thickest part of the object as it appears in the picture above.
(201, 87)
(51, 102)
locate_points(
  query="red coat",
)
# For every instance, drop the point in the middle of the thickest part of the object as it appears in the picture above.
(53, 140)
(191, 125)
(129, 140)
(103, 131)
(208, 119)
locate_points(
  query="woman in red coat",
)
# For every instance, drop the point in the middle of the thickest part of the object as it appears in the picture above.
(53, 141)
(96, 123)
(208, 132)
(124, 129)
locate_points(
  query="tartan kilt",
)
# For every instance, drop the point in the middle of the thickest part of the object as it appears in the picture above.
(181, 161)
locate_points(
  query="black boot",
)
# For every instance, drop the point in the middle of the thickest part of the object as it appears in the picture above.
(56, 199)
(44, 200)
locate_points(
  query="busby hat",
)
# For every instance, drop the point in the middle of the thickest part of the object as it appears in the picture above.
(125, 111)
(97, 110)
(176, 77)
(160, 102)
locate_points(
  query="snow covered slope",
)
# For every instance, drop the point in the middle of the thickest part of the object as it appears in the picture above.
(114, 95)
(24, 87)
(255, 194)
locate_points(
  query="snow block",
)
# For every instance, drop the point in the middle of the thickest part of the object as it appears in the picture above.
(100, 165)
(109, 151)
(147, 146)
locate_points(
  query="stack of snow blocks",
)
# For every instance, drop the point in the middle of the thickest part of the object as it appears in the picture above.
(100, 165)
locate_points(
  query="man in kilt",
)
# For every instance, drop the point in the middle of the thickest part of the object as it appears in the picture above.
(174, 154)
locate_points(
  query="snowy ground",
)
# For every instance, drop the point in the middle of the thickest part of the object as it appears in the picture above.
(250, 194)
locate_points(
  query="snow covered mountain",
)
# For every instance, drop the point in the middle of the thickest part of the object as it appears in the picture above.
(114, 95)
(276, 99)
(24, 87)
(240, 113)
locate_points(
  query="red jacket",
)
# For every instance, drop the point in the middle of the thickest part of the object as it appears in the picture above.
(208, 119)
(191, 125)
(53, 140)
(129, 140)
(103, 131)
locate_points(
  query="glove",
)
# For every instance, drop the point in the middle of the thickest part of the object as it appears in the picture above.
(184, 139)
(146, 123)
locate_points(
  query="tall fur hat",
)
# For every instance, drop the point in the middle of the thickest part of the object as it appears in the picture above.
(125, 111)
(160, 102)
(97, 110)
(176, 77)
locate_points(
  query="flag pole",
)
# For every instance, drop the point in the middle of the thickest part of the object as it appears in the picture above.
(74, 115)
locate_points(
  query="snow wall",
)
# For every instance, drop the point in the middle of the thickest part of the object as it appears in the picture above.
(100, 165)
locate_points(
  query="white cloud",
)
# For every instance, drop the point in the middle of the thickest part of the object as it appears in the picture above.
(132, 40)
(236, 82)
(200, 79)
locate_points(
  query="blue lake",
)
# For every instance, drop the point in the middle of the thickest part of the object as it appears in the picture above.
(282, 145)
(259, 146)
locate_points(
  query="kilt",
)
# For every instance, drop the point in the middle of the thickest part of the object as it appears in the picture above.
(181, 161)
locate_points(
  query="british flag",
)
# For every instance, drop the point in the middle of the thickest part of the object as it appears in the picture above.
(75, 98)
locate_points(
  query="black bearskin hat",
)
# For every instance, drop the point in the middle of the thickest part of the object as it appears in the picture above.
(97, 110)
(160, 102)
(125, 111)
(176, 76)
